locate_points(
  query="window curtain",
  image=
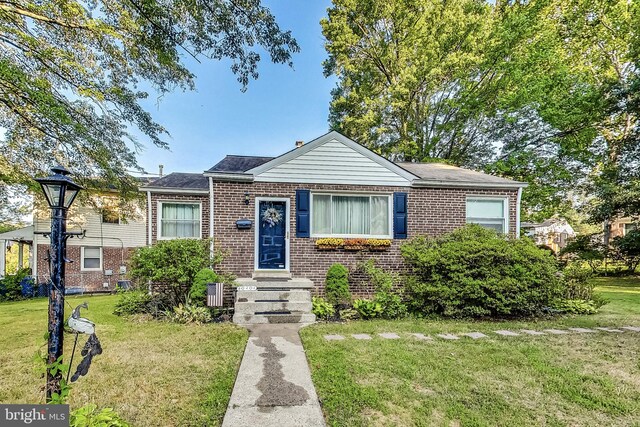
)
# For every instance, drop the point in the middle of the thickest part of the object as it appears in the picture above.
(351, 215)
(379, 215)
(321, 214)
(180, 220)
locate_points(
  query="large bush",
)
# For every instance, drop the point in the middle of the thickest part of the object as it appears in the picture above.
(474, 271)
(172, 263)
(337, 285)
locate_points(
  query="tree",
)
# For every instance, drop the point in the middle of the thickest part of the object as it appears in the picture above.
(71, 73)
(627, 249)
(577, 69)
(413, 76)
(544, 91)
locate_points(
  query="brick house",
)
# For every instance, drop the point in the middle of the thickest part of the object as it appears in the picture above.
(268, 213)
(98, 260)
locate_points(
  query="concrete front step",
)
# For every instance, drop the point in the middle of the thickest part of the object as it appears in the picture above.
(279, 295)
(258, 307)
(276, 283)
(271, 274)
(294, 317)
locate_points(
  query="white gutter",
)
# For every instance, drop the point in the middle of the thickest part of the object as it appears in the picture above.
(230, 177)
(211, 218)
(149, 218)
(469, 184)
(174, 190)
(518, 201)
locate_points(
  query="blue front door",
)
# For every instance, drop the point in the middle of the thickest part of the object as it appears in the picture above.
(272, 230)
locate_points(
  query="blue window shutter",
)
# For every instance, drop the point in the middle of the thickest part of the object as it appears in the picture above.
(303, 201)
(399, 215)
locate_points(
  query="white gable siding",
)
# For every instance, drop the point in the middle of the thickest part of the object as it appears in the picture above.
(129, 235)
(333, 163)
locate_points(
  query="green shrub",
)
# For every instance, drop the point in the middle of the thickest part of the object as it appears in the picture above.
(134, 302)
(90, 416)
(475, 272)
(198, 292)
(577, 282)
(367, 309)
(576, 306)
(348, 314)
(392, 305)
(173, 263)
(578, 296)
(321, 308)
(189, 313)
(12, 290)
(337, 285)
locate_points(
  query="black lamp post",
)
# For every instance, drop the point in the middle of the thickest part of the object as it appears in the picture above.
(60, 192)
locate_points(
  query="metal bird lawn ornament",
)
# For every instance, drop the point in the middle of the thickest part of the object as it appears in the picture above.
(92, 347)
(80, 324)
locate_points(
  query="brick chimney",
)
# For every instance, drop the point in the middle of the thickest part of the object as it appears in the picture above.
(160, 168)
(299, 144)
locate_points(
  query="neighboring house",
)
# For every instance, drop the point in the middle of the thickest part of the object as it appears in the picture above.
(23, 239)
(99, 259)
(267, 213)
(622, 226)
(552, 233)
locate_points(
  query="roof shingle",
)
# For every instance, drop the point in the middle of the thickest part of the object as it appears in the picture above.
(195, 181)
(239, 164)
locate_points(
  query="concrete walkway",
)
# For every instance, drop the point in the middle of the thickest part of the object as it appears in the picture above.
(274, 387)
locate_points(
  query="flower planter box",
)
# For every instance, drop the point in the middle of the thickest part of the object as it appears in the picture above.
(354, 248)
(327, 248)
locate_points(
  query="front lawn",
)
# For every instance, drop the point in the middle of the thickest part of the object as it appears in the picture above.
(577, 379)
(152, 373)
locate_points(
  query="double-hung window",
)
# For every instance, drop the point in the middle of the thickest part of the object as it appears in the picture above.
(91, 258)
(488, 212)
(179, 220)
(350, 215)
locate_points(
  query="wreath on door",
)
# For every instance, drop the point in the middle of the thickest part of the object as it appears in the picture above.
(272, 216)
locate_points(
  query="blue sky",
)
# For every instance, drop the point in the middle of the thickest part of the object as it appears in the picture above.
(282, 106)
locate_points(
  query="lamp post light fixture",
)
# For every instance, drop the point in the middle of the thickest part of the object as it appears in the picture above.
(60, 192)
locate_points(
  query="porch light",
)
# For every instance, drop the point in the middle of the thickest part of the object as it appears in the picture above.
(59, 190)
(246, 198)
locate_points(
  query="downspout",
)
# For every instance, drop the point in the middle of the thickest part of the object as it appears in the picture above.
(518, 201)
(211, 219)
(149, 219)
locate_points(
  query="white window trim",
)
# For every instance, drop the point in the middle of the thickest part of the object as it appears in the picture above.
(354, 194)
(505, 208)
(175, 202)
(82, 268)
(256, 232)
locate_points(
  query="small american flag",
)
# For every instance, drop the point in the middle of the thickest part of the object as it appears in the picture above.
(215, 293)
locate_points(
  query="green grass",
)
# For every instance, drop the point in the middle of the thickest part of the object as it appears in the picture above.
(152, 373)
(570, 380)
